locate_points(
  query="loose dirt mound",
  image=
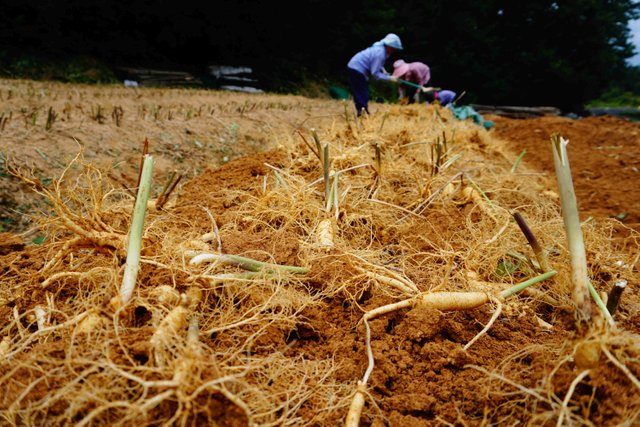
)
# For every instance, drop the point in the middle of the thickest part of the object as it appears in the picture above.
(418, 205)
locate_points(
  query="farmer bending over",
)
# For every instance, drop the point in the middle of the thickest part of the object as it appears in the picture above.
(370, 62)
(412, 72)
(444, 97)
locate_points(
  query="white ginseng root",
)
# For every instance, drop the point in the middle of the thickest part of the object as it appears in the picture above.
(443, 301)
(174, 322)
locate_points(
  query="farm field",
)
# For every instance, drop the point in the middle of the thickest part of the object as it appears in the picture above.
(416, 204)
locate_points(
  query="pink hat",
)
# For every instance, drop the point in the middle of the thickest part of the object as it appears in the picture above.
(400, 68)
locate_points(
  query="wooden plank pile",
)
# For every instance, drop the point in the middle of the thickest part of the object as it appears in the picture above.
(516, 112)
(239, 79)
(148, 77)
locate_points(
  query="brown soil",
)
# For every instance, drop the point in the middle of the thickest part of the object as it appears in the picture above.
(289, 349)
(603, 155)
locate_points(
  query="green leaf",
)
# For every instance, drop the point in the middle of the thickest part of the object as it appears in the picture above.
(38, 240)
(621, 216)
(507, 268)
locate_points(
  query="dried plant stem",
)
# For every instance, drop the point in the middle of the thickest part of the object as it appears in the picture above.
(333, 196)
(341, 171)
(327, 183)
(384, 118)
(135, 233)
(167, 190)
(346, 113)
(615, 294)
(336, 195)
(538, 250)
(172, 175)
(571, 219)
(450, 161)
(517, 162)
(309, 146)
(319, 146)
(436, 157)
(216, 231)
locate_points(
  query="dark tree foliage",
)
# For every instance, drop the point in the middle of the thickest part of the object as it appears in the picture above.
(542, 52)
(500, 51)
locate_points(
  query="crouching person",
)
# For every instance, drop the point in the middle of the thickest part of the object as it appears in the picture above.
(416, 74)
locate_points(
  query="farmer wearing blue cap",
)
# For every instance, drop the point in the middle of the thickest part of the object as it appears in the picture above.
(367, 63)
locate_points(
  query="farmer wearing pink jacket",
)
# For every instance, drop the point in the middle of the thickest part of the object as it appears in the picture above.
(414, 72)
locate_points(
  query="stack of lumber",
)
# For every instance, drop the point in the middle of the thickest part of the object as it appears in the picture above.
(516, 112)
(147, 77)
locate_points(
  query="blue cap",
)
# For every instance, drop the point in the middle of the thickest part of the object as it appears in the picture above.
(446, 97)
(392, 40)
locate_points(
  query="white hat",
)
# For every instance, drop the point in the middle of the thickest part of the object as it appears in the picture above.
(392, 40)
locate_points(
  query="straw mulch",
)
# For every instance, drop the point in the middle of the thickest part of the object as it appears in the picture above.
(214, 343)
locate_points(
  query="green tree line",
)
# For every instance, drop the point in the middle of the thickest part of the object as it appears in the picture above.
(538, 52)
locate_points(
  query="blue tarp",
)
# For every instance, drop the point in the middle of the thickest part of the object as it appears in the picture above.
(465, 111)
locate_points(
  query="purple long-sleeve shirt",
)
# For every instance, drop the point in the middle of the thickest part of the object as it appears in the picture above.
(370, 62)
